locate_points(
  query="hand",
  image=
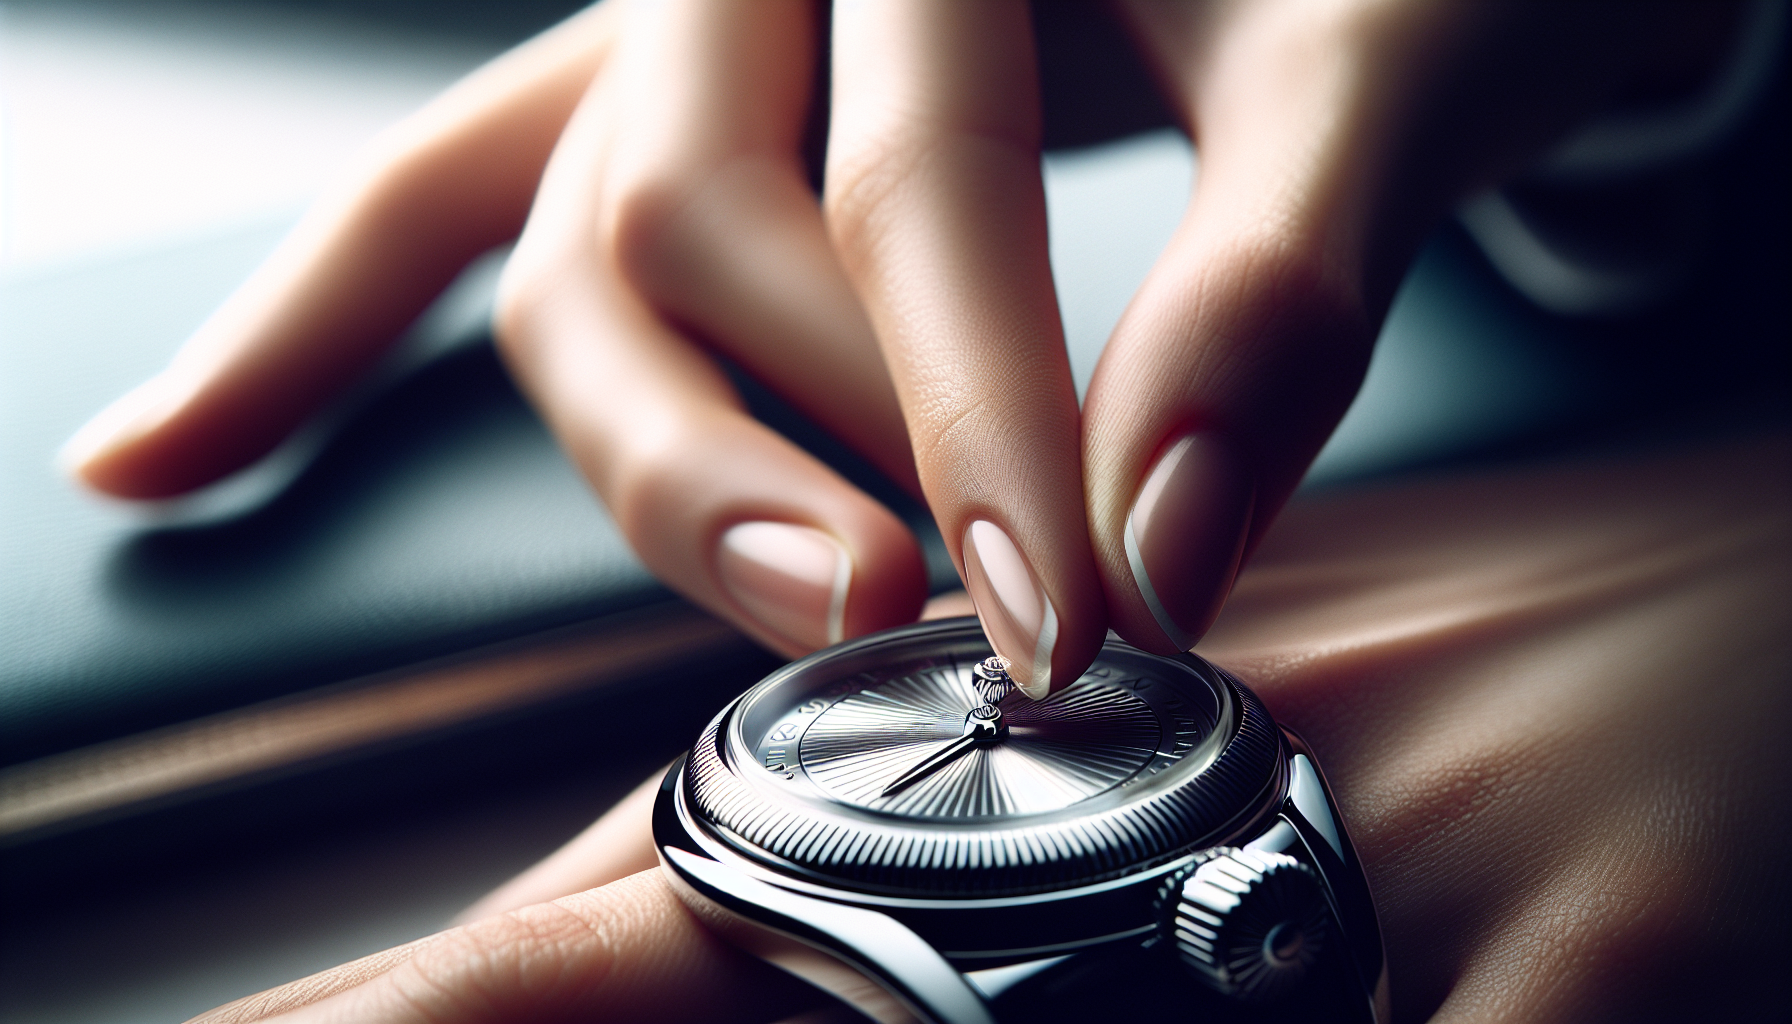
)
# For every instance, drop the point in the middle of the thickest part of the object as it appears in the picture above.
(1552, 703)
(669, 219)
(675, 220)
(1331, 139)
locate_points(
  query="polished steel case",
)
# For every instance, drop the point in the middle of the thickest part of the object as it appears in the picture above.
(944, 909)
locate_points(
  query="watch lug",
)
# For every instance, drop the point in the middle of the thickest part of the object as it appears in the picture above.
(865, 958)
(1307, 793)
(1312, 811)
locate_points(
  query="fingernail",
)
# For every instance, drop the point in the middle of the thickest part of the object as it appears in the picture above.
(1017, 616)
(793, 579)
(128, 418)
(1185, 535)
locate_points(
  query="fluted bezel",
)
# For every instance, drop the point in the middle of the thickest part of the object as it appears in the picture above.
(1185, 792)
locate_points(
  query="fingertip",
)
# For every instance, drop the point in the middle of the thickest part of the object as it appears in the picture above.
(1076, 651)
(812, 562)
(1184, 538)
(103, 455)
(889, 583)
(1017, 614)
(793, 579)
(1047, 643)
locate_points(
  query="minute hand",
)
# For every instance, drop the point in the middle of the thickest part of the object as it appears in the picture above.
(982, 727)
(931, 763)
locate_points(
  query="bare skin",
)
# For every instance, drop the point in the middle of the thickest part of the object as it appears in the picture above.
(1551, 701)
(649, 155)
(1560, 821)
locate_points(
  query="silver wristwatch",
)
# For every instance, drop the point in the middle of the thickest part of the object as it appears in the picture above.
(883, 820)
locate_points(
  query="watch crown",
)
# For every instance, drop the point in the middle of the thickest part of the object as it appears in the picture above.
(1250, 924)
(990, 677)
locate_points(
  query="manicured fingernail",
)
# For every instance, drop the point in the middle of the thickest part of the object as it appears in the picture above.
(132, 415)
(1017, 616)
(1186, 533)
(793, 579)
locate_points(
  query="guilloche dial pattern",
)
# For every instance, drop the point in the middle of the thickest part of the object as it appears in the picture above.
(1142, 758)
(1079, 742)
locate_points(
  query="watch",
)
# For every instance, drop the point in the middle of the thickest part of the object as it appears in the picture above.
(885, 819)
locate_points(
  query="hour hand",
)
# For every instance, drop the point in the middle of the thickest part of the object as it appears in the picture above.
(981, 727)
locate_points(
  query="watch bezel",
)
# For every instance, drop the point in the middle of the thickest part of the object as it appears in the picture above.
(1190, 803)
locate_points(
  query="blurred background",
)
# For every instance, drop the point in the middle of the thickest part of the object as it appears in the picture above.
(152, 153)
(131, 133)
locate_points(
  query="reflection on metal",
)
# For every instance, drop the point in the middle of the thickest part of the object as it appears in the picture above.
(1069, 747)
(1018, 853)
(1308, 794)
(867, 942)
(1250, 924)
(1156, 752)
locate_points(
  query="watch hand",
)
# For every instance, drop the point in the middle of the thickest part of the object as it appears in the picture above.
(931, 763)
(982, 727)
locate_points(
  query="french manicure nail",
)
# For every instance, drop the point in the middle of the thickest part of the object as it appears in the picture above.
(793, 579)
(1017, 616)
(1186, 533)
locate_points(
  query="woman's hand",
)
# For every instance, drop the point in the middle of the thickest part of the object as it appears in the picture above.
(675, 222)
(655, 152)
(1551, 702)
(1332, 137)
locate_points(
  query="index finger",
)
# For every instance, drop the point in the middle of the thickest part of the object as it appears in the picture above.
(934, 200)
(627, 951)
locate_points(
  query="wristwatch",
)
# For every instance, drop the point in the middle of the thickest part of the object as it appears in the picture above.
(886, 820)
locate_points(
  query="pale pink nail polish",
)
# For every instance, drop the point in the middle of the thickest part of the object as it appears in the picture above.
(792, 579)
(1017, 616)
(1186, 533)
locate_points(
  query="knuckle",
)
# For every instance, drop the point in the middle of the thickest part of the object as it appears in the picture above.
(883, 170)
(859, 187)
(1290, 282)
(1277, 320)
(650, 483)
(641, 225)
(950, 427)
(522, 292)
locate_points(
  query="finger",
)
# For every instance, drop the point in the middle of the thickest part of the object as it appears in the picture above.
(617, 845)
(1241, 350)
(628, 951)
(717, 505)
(432, 193)
(1320, 174)
(934, 201)
(718, 226)
(313, 987)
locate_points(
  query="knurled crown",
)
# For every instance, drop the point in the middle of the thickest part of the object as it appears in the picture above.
(1251, 924)
(991, 678)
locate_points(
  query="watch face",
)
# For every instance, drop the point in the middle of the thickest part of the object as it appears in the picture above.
(859, 765)
(1118, 725)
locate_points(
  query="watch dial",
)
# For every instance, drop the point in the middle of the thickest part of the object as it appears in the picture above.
(1080, 742)
(855, 763)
